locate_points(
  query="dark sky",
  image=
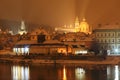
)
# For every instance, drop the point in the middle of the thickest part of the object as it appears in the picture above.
(60, 12)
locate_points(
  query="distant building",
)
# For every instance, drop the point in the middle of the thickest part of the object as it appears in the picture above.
(22, 28)
(79, 36)
(34, 34)
(28, 47)
(108, 39)
(77, 27)
(79, 39)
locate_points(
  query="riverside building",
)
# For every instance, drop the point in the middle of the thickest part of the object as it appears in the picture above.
(76, 40)
(108, 39)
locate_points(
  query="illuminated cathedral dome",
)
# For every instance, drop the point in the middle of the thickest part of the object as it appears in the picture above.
(77, 27)
(84, 27)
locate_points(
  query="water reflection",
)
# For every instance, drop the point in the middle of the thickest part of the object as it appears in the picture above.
(59, 72)
(20, 72)
(116, 73)
(113, 72)
(80, 73)
(64, 73)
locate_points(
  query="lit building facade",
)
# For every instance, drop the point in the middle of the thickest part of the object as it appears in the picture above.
(77, 36)
(82, 26)
(80, 42)
(42, 42)
(108, 39)
(27, 47)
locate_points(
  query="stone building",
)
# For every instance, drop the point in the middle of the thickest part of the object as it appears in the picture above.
(78, 26)
(108, 38)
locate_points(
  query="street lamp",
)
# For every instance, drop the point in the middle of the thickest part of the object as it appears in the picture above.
(116, 50)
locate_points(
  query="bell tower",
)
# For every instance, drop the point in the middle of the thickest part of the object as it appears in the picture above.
(77, 24)
(22, 28)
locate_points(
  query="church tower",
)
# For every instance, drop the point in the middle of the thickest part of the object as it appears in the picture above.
(77, 24)
(22, 28)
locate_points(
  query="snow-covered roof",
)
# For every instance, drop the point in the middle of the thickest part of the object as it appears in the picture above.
(39, 31)
(81, 34)
(26, 42)
(89, 39)
(109, 27)
(52, 42)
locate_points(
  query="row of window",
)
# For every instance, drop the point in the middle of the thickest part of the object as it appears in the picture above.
(109, 47)
(107, 35)
(108, 40)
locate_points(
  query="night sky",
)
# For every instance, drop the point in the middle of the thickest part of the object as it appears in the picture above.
(60, 12)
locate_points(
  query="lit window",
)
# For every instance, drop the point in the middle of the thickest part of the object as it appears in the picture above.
(22, 50)
(26, 50)
(19, 51)
(15, 50)
(81, 52)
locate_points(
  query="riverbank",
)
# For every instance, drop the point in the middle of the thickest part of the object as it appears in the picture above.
(110, 60)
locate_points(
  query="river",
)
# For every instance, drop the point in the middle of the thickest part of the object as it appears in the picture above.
(58, 72)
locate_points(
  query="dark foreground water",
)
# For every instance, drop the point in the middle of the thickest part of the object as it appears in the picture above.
(59, 72)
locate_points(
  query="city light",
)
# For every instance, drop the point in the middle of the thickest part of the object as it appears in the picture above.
(80, 73)
(116, 72)
(20, 73)
(116, 50)
(64, 73)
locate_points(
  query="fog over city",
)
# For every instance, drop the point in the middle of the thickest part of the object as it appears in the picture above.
(60, 12)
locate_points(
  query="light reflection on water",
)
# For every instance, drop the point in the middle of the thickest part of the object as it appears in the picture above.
(20, 72)
(116, 73)
(80, 73)
(113, 72)
(64, 73)
(59, 72)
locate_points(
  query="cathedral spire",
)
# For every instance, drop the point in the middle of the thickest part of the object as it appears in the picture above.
(83, 19)
(22, 25)
(77, 24)
(22, 28)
